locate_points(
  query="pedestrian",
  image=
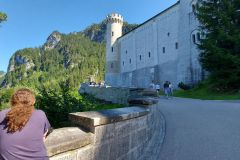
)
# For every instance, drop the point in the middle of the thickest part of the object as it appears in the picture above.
(170, 89)
(152, 85)
(23, 129)
(166, 89)
(158, 88)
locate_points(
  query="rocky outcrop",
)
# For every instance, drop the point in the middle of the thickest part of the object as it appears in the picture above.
(52, 40)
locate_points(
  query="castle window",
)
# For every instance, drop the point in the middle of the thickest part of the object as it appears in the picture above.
(112, 33)
(163, 49)
(112, 49)
(168, 34)
(198, 37)
(111, 65)
(194, 38)
(123, 63)
(176, 45)
(140, 57)
(130, 61)
(126, 51)
(149, 54)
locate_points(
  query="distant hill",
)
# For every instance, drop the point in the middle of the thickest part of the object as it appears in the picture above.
(72, 58)
(97, 32)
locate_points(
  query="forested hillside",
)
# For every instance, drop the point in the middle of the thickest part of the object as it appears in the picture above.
(72, 58)
(1, 76)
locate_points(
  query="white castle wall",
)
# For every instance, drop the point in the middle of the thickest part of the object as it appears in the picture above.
(161, 49)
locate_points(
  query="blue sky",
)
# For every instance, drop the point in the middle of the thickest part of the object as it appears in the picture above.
(31, 21)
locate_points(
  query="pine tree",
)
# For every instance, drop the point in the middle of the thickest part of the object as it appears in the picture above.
(220, 25)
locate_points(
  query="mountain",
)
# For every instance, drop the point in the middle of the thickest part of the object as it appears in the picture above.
(70, 58)
(97, 32)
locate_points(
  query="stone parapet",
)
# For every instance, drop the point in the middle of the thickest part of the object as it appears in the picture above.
(128, 133)
(89, 120)
(67, 139)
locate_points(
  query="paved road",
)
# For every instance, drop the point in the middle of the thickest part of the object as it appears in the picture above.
(200, 130)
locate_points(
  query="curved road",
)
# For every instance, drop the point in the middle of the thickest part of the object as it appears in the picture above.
(200, 130)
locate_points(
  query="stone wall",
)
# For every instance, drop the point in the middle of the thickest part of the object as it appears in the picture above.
(113, 94)
(117, 134)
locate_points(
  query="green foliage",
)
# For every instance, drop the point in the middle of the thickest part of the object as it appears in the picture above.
(1, 76)
(57, 103)
(5, 95)
(220, 55)
(3, 17)
(61, 100)
(183, 86)
(203, 91)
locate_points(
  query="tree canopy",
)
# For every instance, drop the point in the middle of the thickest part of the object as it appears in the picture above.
(220, 48)
(3, 17)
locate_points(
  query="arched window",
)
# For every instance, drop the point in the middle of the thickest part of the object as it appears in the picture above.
(112, 49)
(149, 54)
(112, 33)
(123, 63)
(140, 57)
(130, 61)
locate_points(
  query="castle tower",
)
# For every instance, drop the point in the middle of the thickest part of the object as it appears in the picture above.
(114, 31)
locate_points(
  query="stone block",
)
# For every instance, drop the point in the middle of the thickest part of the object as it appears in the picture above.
(137, 152)
(139, 123)
(142, 101)
(71, 155)
(90, 120)
(104, 133)
(85, 153)
(123, 128)
(119, 147)
(102, 152)
(67, 139)
(138, 138)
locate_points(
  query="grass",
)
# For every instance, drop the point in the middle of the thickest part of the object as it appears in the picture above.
(202, 92)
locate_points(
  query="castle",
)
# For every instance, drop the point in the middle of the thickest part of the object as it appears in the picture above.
(164, 48)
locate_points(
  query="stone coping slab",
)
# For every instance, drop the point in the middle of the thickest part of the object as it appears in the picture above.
(66, 139)
(89, 120)
(146, 101)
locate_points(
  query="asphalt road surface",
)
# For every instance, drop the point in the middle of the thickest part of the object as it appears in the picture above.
(200, 130)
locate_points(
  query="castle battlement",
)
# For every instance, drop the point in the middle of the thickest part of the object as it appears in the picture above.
(115, 18)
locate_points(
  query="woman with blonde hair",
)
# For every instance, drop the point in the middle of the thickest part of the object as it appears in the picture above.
(23, 129)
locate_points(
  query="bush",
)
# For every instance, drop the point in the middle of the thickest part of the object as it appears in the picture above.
(184, 86)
